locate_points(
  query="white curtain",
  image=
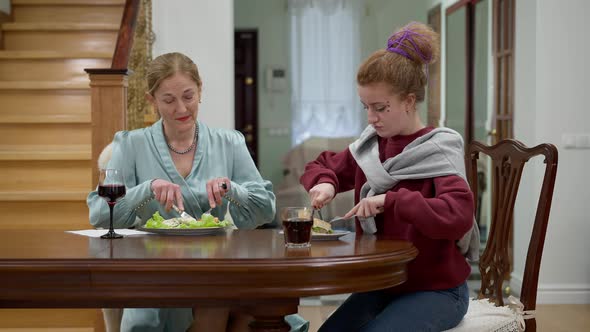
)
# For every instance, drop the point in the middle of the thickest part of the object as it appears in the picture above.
(325, 54)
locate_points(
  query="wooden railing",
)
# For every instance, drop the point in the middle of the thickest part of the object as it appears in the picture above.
(109, 88)
(125, 37)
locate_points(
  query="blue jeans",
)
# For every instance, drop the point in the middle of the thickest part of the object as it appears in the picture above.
(380, 311)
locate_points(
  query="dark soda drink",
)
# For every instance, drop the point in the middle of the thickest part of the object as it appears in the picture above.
(297, 231)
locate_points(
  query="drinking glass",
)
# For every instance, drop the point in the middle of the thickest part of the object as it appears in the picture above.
(111, 187)
(297, 223)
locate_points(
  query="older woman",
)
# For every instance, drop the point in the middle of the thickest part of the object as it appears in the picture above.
(180, 160)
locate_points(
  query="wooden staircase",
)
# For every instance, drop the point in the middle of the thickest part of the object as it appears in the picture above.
(45, 126)
(45, 152)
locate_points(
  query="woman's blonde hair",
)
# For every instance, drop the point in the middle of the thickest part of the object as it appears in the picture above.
(167, 65)
(403, 64)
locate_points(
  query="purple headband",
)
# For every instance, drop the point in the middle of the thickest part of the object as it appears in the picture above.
(395, 44)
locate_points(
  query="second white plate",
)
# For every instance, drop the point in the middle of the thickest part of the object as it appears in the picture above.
(335, 235)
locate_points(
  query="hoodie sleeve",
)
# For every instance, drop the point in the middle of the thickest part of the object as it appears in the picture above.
(447, 215)
(337, 169)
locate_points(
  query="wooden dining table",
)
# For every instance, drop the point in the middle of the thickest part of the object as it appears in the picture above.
(247, 270)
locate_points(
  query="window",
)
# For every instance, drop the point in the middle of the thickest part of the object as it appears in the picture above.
(325, 54)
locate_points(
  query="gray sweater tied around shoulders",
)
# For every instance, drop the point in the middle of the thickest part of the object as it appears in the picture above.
(437, 153)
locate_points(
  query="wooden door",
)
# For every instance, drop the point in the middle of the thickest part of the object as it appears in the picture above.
(433, 116)
(503, 54)
(246, 87)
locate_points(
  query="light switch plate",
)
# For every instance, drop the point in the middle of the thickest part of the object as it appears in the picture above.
(568, 141)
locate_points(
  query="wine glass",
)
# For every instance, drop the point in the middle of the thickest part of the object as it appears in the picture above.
(111, 187)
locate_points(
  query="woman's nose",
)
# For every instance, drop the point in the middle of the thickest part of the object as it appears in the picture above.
(182, 108)
(371, 116)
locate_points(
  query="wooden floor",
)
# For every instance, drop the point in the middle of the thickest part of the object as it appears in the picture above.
(550, 318)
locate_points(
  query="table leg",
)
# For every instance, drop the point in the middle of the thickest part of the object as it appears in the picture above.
(269, 316)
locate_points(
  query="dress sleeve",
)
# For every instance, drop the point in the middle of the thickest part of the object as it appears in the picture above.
(252, 201)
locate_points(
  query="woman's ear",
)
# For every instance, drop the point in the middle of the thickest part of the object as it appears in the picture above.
(152, 102)
(150, 99)
(410, 102)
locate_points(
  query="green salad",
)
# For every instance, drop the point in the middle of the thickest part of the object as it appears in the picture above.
(207, 220)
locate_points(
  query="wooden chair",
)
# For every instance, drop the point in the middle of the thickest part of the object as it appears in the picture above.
(508, 160)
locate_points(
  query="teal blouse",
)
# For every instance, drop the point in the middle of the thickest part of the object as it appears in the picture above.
(143, 155)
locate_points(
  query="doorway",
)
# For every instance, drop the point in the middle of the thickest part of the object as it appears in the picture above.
(246, 87)
(479, 51)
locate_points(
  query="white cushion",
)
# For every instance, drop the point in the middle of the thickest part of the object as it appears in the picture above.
(483, 315)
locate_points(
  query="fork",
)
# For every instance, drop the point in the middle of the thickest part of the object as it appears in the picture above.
(208, 211)
(341, 218)
(183, 214)
(319, 213)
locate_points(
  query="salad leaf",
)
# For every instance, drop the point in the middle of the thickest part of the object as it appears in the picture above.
(207, 220)
(156, 221)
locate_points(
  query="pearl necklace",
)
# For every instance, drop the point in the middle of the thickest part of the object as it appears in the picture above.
(190, 148)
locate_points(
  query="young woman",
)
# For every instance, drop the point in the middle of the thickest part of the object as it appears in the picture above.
(409, 183)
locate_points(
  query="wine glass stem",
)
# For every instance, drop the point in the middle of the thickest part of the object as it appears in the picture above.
(111, 228)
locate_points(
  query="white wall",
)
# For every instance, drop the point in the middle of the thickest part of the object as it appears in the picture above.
(203, 30)
(551, 86)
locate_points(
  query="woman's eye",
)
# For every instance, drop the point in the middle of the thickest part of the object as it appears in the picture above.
(168, 101)
(381, 109)
(188, 97)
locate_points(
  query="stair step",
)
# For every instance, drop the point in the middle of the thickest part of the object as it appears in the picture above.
(67, 2)
(45, 175)
(68, 11)
(99, 37)
(43, 85)
(48, 66)
(45, 152)
(52, 27)
(70, 214)
(30, 320)
(54, 55)
(45, 106)
(41, 196)
(49, 329)
(45, 134)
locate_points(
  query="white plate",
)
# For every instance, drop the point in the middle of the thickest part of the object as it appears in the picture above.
(336, 234)
(185, 231)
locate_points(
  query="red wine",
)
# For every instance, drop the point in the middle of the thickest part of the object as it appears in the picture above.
(111, 192)
(297, 230)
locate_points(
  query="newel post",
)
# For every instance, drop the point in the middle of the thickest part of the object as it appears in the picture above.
(108, 89)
